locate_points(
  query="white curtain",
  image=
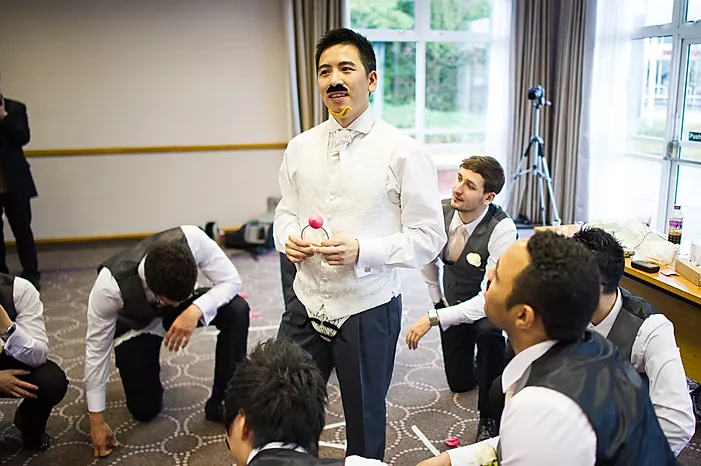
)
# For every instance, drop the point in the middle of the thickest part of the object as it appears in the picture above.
(499, 103)
(620, 185)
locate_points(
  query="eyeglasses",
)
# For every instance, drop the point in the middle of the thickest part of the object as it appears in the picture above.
(226, 439)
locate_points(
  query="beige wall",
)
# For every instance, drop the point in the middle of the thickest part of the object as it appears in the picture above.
(100, 73)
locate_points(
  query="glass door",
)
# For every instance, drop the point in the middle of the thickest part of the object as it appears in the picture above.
(684, 152)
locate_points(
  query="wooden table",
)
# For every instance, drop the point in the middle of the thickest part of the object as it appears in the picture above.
(679, 300)
(674, 296)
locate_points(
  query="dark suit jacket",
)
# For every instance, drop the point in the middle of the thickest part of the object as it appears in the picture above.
(14, 134)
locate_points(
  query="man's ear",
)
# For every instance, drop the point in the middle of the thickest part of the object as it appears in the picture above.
(525, 316)
(489, 198)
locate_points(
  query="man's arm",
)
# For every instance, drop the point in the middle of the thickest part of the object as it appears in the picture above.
(29, 343)
(14, 123)
(104, 303)
(655, 351)
(503, 236)
(218, 269)
(431, 274)
(423, 234)
(286, 221)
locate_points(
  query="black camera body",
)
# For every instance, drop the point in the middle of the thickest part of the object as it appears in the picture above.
(537, 94)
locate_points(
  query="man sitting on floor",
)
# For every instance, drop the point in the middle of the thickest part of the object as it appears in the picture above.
(146, 293)
(275, 409)
(570, 397)
(24, 370)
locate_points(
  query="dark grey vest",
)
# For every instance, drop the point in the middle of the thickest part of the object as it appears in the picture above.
(7, 290)
(137, 312)
(629, 320)
(461, 280)
(592, 373)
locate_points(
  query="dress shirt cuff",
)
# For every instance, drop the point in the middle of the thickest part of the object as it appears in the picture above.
(18, 339)
(96, 400)
(208, 308)
(466, 455)
(371, 256)
(436, 293)
(281, 239)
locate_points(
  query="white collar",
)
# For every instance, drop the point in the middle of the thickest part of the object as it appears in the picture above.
(276, 445)
(522, 361)
(469, 227)
(605, 326)
(362, 124)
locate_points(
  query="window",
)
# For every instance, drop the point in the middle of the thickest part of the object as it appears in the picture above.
(443, 69)
(645, 118)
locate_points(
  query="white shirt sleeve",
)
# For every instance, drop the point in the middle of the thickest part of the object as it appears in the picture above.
(217, 267)
(104, 303)
(542, 426)
(423, 233)
(29, 343)
(503, 236)
(431, 274)
(655, 353)
(360, 461)
(286, 220)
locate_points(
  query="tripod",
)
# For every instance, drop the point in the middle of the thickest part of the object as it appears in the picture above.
(539, 166)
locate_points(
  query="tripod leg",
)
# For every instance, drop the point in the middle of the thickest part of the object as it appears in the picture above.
(517, 176)
(549, 181)
(541, 189)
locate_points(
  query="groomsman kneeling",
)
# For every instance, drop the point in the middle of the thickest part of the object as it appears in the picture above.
(25, 371)
(146, 295)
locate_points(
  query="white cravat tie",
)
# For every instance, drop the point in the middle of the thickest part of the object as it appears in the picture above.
(457, 243)
(338, 145)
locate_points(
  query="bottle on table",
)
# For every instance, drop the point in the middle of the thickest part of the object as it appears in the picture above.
(674, 234)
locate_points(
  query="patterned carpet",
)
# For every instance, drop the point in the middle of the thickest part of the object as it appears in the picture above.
(180, 435)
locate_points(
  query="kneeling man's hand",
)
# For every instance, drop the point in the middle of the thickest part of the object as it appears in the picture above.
(179, 333)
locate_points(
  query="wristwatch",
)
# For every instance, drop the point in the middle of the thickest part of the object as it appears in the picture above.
(8, 333)
(433, 317)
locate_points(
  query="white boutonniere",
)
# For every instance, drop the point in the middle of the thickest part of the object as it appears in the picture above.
(486, 455)
(474, 259)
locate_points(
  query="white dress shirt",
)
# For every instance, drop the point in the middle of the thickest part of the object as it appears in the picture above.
(539, 425)
(655, 353)
(503, 236)
(106, 301)
(28, 343)
(350, 461)
(405, 188)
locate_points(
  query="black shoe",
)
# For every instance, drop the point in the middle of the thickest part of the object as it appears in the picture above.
(486, 429)
(214, 411)
(42, 442)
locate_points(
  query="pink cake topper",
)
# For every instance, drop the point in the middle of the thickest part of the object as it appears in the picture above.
(316, 222)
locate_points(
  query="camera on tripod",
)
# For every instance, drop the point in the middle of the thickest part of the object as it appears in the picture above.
(537, 94)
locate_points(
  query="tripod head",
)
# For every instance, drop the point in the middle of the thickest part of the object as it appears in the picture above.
(537, 95)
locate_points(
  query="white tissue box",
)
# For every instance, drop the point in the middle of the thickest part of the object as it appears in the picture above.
(688, 270)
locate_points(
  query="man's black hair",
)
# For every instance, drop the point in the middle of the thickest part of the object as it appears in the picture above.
(344, 36)
(170, 270)
(608, 253)
(561, 283)
(282, 394)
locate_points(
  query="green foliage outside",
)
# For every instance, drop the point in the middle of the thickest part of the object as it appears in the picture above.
(444, 60)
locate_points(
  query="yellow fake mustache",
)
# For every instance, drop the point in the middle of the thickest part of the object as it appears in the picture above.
(342, 113)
